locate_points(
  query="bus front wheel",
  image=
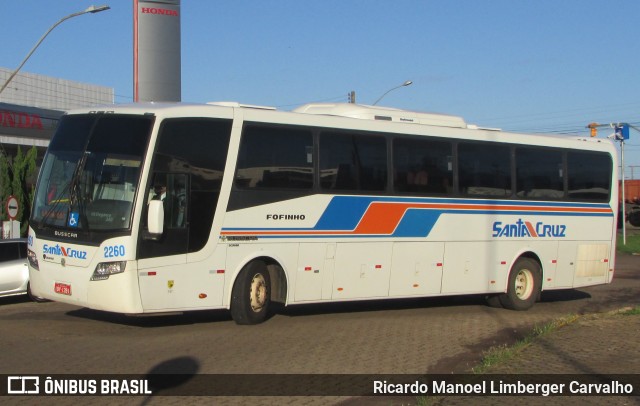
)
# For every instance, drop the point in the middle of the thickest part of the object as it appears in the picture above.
(251, 295)
(525, 282)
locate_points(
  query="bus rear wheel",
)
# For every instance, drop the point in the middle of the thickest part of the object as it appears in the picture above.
(525, 283)
(251, 295)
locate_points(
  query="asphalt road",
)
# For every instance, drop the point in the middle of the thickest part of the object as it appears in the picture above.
(433, 335)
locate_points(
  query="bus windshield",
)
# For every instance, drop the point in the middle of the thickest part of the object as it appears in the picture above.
(91, 172)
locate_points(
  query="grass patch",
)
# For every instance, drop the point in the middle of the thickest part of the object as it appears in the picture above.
(504, 353)
(631, 312)
(632, 246)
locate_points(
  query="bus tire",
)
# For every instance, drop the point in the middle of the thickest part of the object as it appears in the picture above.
(525, 282)
(251, 294)
(494, 301)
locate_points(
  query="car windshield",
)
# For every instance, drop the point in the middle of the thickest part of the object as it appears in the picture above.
(91, 172)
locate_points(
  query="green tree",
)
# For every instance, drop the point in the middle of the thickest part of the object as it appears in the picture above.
(14, 181)
(5, 184)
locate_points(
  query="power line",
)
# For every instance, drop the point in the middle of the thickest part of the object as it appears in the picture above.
(564, 113)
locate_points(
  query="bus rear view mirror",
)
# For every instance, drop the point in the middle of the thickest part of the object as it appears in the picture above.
(155, 218)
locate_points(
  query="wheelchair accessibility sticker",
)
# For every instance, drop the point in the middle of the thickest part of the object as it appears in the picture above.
(73, 219)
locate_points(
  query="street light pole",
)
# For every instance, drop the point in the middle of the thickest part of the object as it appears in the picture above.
(621, 138)
(624, 198)
(90, 9)
(407, 83)
(621, 132)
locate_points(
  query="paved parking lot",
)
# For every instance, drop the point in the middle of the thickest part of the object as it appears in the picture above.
(436, 335)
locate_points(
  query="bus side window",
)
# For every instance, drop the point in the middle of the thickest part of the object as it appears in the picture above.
(422, 166)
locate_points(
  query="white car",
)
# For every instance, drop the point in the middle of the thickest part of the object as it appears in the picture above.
(14, 272)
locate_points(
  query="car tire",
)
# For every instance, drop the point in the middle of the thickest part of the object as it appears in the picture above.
(634, 218)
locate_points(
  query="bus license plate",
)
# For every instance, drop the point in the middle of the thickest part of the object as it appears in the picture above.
(62, 288)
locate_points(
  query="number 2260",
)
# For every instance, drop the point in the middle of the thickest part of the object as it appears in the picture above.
(113, 251)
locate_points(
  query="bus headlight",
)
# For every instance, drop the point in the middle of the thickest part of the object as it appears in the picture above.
(104, 269)
(33, 259)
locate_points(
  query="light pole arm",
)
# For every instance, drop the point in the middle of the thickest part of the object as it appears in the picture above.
(385, 93)
(407, 83)
(92, 9)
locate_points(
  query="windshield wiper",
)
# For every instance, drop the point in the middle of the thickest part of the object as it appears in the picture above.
(75, 194)
(69, 187)
(56, 201)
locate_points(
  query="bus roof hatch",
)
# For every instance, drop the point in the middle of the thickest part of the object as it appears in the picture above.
(365, 112)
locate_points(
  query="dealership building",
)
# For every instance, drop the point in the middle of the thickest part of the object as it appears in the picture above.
(31, 106)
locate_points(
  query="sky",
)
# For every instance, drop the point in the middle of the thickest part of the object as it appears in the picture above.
(544, 66)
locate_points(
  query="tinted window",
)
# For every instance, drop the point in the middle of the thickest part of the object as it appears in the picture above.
(484, 169)
(422, 165)
(102, 156)
(195, 146)
(275, 157)
(539, 173)
(589, 175)
(353, 162)
(189, 163)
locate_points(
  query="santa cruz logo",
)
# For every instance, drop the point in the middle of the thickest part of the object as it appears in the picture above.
(527, 229)
(65, 252)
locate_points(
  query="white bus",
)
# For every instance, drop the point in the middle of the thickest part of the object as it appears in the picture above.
(151, 208)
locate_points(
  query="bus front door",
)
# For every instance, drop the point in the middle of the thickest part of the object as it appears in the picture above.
(162, 259)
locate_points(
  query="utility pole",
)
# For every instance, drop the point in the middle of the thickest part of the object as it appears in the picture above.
(621, 133)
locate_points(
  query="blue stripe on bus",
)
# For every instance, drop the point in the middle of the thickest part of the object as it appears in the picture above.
(344, 213)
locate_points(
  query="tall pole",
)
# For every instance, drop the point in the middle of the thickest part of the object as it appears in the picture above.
(90, 9)
(156, 51)
(624, 202)
(621, 131)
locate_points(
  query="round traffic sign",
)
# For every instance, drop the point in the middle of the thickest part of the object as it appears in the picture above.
(12, 207)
